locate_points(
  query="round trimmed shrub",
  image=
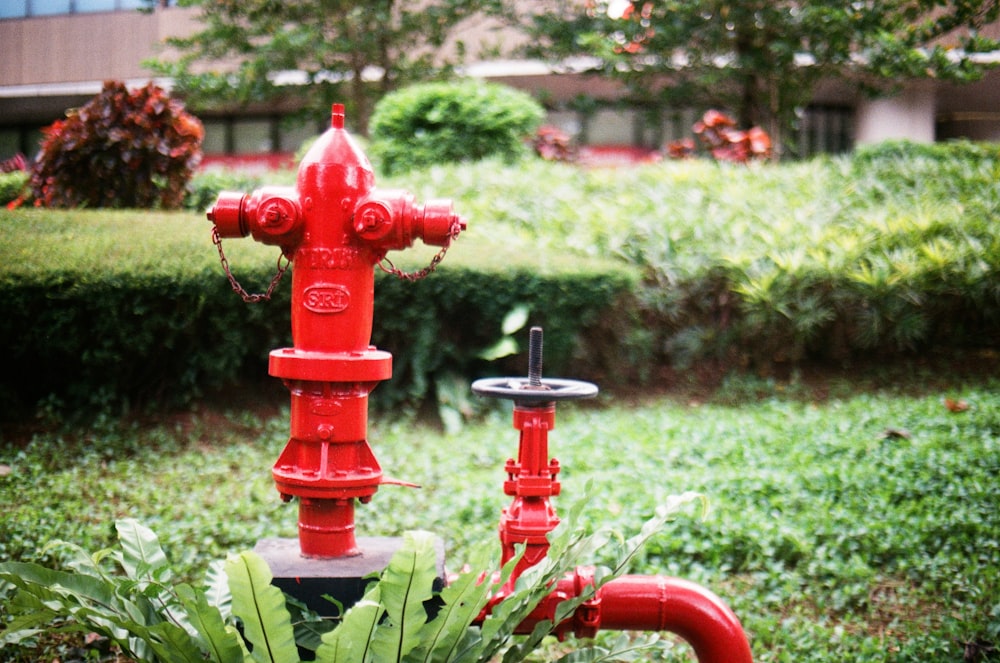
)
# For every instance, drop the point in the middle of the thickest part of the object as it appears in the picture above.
(12, 185)
(431, 123)
(123, 148)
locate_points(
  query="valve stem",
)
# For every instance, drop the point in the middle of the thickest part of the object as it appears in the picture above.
(535, 357)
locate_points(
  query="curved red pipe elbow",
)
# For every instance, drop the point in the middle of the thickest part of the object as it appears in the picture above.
(660, 603)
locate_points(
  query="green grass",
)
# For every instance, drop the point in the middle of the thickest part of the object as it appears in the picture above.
(859, 528)
(863, 526)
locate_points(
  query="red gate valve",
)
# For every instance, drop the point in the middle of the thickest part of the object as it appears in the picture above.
(531, 479)
(644, 603)
(334, 227)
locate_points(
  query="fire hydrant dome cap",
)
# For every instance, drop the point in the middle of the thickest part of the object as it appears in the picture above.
(337, 149)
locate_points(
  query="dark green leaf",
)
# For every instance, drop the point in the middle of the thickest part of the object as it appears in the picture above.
(261, 609)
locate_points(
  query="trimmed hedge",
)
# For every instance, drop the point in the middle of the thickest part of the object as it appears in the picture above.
(893, 251)
(110, 310)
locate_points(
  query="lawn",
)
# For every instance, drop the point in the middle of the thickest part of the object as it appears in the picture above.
(861, 526)
(851, 519)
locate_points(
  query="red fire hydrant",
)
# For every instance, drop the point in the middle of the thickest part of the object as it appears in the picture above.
(334, 227)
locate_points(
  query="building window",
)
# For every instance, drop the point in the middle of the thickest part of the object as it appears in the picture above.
(30, 8)
(254, 135)
(824, 130)
(291, 136)
(84, 6)
(20, 140)
(10, 143)
(216, 139)
(48, 7)
(13, 9)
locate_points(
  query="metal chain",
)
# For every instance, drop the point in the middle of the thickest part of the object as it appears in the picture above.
(386, 265)
(237, 288)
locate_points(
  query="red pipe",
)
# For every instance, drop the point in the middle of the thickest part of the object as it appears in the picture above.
(659, 603)
(326, 528)
(645, 603)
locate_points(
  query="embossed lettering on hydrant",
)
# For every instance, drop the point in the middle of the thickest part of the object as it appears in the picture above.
(328, 258)
(326, 298)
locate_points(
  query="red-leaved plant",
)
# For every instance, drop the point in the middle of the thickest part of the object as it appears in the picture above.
(553, 144)
(718, 133)
(123, 148)
(14, 164)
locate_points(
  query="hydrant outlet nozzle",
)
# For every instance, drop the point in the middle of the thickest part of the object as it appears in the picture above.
(391, 220)
(227, 215)
(270, 214)
(440, 223)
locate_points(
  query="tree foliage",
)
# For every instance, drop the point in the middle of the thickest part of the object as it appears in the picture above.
(315, 52)
(763, 58)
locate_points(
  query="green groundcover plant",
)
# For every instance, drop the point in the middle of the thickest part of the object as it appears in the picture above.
(237, 615)
(853, 519)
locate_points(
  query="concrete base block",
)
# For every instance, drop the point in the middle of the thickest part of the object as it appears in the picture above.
(343, 578)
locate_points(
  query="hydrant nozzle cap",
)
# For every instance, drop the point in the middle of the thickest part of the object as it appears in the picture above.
(227, 215)
(440, 224)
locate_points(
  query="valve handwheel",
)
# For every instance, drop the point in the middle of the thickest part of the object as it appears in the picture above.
(534, 390)
(519, 389)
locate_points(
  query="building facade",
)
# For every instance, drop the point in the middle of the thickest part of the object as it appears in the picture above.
(56, 54)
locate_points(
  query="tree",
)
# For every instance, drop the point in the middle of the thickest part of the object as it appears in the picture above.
(309, 53)
(762, 59)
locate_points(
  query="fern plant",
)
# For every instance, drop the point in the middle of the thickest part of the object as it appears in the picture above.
(148, 616)
(239, 616)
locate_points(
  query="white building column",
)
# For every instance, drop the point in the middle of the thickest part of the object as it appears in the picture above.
(907, 115)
